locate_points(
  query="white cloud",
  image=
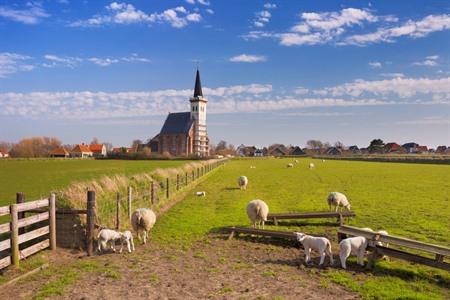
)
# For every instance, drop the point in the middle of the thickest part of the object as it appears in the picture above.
(430, 61)
(210, 11)
(433, 120)
(33, 14)
(301, 90)
(375, 64)
(122, 13)
(262, 18)
(247, 58)
(413, 29)
(203, 2)
(71, 62)
(55, 60)
(190, 1)
(11, 63)
(394, 75)
(270, 6)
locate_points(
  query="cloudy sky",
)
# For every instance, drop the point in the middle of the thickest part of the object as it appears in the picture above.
(278, 71)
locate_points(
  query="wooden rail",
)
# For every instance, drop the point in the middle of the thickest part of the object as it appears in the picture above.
(440, 252)
(262, 232)
(311, 215)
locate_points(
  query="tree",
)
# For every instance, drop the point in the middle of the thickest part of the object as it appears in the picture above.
(108, 146)
(5, 146)
(376, 145)
(314, 144)
(339, 145)
(35, 147)
(95, 141)
(135, 145)
(222, 145)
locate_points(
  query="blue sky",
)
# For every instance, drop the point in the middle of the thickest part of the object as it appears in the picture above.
(278, 71)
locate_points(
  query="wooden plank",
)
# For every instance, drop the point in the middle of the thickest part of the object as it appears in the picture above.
(14, 236)
(4, 210)
(35, 248)
(52, 221)
(4, 227)
(33, 234)
(62, 211)
(6, 244)
(32, 205)
(4, 262)
(395, 240)
(311, 215)
(33, 219)
(263, 232)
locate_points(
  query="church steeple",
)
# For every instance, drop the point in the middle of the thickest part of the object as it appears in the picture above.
(198, 86)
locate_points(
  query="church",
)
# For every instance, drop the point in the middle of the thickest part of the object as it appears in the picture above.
(184, 133)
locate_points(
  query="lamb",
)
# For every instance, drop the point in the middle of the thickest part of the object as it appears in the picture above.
(311, 166)
(201, 194)
(320, 244)
(143, 219)
(257, 211)
(106, 236)
(127, 237)
(354, 245)
(289, 165)
(337, 199)
(296, 161)
(382, 232)
(243, 182)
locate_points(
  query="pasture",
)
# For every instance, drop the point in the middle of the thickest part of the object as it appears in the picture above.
(37, 178)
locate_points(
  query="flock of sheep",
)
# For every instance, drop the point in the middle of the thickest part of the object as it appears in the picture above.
(258, 210)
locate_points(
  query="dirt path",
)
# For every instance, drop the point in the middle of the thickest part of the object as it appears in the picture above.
(214, 268)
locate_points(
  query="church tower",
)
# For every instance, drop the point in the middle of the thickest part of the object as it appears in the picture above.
(198, 116)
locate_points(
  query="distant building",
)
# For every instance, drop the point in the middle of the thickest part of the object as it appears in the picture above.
(296, 151)
(410, 147)
(59, 152)
(422, 149)
(122, 150)
(243, 150)
(98, 150)
(354, 149)
(333, 151)
(392, 148)
(82, 151)
(4, 154)
(258, 153)
(441, 149)
(184, 133)
(278, 150)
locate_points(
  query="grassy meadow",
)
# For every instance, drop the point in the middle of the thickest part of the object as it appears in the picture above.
(410, 200)
(37, 178)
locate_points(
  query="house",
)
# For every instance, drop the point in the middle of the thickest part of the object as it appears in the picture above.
(422, 149)
(243, 150)
(441, 149)
(277, 151)
(184, 133)
(59, 152)
(4, 154)
(410, 147)
(258, 153)
(393, 148)
(81, 150)
(354, 149)
(122, 150)
(296, 151)
(333, 151)
(98, 150)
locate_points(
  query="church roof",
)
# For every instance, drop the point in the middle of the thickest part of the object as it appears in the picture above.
(177, 123)
(198, 86)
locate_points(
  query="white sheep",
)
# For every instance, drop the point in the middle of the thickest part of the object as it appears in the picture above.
(243, 182)
(127, 237)
(311, 166)
(320, 244)
(382, 232)
(106, 236)
(252, 167)
(201, 194)
(143, 219)
(354, 245)
(337, 200)
(296, 161)
(257, 211)
(290, 165)
(323, 160)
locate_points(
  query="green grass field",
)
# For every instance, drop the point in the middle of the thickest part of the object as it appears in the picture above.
(37, 178)
(408, 200)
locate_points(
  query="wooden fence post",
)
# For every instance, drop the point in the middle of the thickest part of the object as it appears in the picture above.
(52, 220)
(198, 172)
(14, 235)
(178, 182)
(152, 192)
(20, 198)
(90, 222)
(167, 188)
(118, 211)
(186, 179)
(129, 195)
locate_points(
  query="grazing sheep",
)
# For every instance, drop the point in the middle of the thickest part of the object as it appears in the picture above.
(323, 160)
(320, 244)
(127, 237)
(252, 167)
(354, 245)
(243, 182)
(289, 165)
(296, 161)
(143, 219)
(106, 236)
(337, 200)
(257, 211)
(311, 166)
(201, 194)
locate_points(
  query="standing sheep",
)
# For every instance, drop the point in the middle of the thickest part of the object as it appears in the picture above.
(320, 244)
(106, 236)
(290, 165)
(354, 245)
(127, 237)
(311, 166)
(243, 182)
(143, 219)
(296, 161)
(337, 199)
(257, 211)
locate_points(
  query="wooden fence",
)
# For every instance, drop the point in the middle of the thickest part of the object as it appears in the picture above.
(19, 232)
(310, 215)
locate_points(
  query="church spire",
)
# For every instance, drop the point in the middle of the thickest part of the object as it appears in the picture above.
(198, 86)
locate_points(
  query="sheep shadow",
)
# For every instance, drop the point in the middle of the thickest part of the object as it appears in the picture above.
(230, 188)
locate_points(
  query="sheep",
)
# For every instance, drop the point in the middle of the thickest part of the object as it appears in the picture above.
(320, 244)
(106, 236)
(323, 160)
(289, 165)
(252, 167)
(243, 182)
(257, 211)
(311, 166)
(201, 194)
(127, 237)
(337, 199)
(143, 219)
(354, 245)
(383, 232)
(296, 161)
